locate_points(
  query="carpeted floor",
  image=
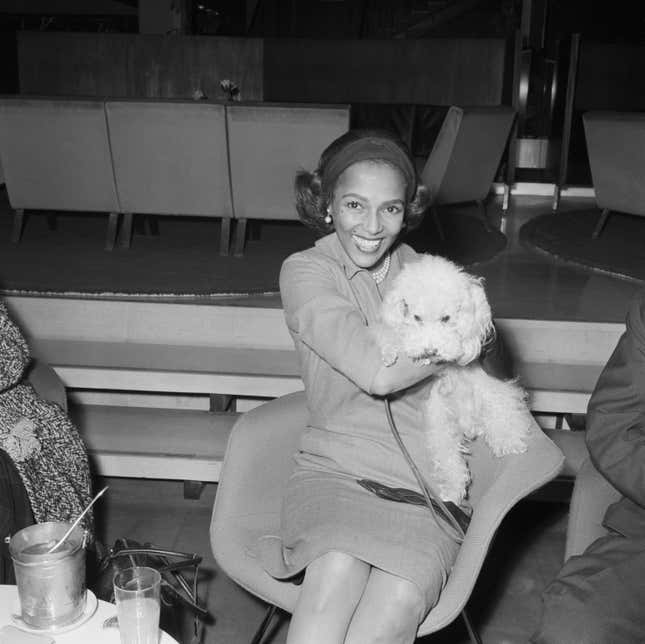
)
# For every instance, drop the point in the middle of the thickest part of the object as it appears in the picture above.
(184, 258)
(618, 251)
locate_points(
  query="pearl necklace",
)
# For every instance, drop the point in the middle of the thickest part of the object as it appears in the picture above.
(379, 275)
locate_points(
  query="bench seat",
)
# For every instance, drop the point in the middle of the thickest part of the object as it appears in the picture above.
(121, 366)
(258, 372)
(154, 443)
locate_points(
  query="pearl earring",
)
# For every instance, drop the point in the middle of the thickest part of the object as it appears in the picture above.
(328, 218)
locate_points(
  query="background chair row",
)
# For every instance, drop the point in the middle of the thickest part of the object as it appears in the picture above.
(616, 148)
(160, 157)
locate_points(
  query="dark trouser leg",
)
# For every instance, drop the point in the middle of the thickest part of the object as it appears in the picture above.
(598, 597)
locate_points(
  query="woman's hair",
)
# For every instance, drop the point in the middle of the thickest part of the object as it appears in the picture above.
(314, 190)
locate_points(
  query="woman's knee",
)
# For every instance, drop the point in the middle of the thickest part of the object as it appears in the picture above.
(390, 610)
(335, 577)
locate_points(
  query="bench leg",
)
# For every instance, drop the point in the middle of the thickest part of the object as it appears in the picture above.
(556, 197)
(113, 224)
(601, 223)
(240, 237)
(125, 234)
(193, 489)
(18, 224)
(220, 402)
(225, 236)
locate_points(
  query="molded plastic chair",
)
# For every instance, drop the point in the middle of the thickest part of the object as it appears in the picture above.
(466, 154)
(256, 468)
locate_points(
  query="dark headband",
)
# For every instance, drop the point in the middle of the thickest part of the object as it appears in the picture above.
(370, 149)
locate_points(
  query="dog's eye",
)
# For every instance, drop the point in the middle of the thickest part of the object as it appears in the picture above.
(444, 319)
(418, 318)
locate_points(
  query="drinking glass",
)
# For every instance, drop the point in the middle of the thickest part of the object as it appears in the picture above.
(136, 591)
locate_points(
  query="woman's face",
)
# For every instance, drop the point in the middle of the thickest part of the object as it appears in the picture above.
(368, 207)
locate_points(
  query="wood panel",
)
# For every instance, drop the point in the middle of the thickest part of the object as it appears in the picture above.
(135, 65)
(440, 71)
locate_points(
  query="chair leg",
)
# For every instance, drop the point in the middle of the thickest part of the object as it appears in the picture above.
(240, 237)
(113, 224)
(18, 224)
(437, 223)
(556, 197)
(264, 626)
(225, 236)
(601, 223)
(474, 636)
(125, 234)
(506, 198)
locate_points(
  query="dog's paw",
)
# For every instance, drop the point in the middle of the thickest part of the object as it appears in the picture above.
(389, 355)
(508, 443)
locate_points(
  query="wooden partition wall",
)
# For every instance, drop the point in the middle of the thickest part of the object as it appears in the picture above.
(440, 71)
(137, 65)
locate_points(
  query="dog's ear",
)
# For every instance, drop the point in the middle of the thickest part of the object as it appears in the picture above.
(477, 319)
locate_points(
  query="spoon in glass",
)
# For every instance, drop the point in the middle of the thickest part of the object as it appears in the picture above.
(80, 516)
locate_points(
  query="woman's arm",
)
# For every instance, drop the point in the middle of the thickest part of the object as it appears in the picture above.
(336, 330)
(616, 414)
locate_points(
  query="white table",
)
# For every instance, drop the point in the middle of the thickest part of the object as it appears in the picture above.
(91, 631)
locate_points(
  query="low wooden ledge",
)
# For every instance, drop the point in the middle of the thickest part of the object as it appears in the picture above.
(259, 372)
(154, 443)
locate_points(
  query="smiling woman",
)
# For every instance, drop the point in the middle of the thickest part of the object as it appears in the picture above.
(371, 567)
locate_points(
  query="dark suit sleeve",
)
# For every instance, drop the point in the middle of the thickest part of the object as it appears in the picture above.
(495, 358)
(616, 413)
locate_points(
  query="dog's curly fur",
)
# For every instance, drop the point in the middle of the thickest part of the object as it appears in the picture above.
(436, 312)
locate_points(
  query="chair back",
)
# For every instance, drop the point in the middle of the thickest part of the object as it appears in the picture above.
(55, 154)
(616, 148)
(268, 144)
(258, 463)
(466, 154)
(170, 157)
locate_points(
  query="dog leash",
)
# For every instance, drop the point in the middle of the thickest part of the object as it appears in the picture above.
(452, 514)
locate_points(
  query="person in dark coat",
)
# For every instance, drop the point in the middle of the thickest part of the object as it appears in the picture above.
(599, 597)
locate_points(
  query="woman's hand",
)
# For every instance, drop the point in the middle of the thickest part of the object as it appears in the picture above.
(402, 374)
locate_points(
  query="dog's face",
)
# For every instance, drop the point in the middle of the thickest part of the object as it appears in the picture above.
(438, 311)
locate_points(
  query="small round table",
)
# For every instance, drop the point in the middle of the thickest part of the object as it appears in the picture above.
(90, 631)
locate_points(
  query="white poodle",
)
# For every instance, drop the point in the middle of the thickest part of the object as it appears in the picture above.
(436, 312)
